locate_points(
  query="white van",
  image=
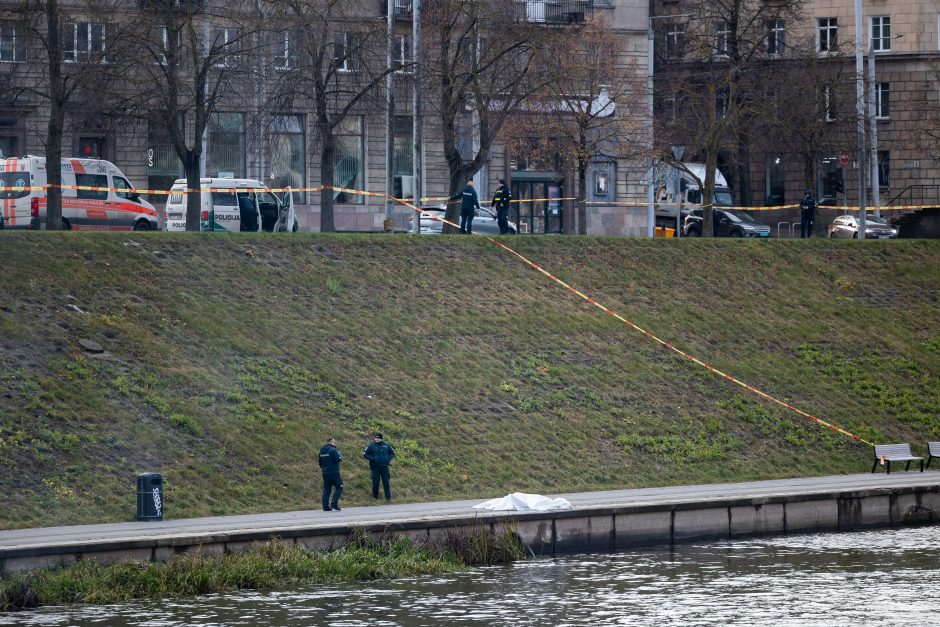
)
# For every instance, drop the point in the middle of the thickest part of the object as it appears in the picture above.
(675, 187)
(220, 210)
(113, 206)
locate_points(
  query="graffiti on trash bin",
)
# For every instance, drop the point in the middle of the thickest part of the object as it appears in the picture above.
(157, 501)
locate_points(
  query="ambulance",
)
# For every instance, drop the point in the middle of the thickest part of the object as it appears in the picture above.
(112, 204)
(220, 210)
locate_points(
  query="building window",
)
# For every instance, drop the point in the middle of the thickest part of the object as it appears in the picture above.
(880, 33)
(346, 52)
(94, 147)
(348, 162)
(286, 46)
(722, 39)
(602, 181)
(165, 43)
(163, 164)
(883, 100)
(403, 55)
(9, 146)
(403, 164)
(12, 44)
(776, 37)
(827, 39)
(226, 47)
(829, 106)
(675, 40)
(721, 103)
(884, 168)
(288, 154)
(83, 42)
(226, 158)
(775, 182)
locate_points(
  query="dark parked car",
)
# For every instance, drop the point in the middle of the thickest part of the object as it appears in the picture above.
(484, 222)
(727, 223)
(846, 227)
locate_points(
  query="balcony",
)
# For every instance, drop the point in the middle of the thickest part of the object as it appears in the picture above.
(554, 11)
(402, 9)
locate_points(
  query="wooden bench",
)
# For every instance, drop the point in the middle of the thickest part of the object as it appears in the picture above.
(895, 453)
(933, 450)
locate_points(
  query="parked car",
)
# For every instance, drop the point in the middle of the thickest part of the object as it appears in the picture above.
(728, 223)
(846, 227)
(484, 222)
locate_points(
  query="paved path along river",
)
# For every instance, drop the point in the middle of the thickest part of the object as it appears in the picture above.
(220, 528)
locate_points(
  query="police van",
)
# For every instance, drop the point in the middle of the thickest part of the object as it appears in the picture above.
(220, 208)
(110, 205)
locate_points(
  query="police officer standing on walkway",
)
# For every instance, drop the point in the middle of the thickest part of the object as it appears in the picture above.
(380, 454)
(501, 206)
(807, 214)
(330, 458)
(469, 205)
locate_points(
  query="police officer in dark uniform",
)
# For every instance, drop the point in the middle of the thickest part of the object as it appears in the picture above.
(501, 206)
(248, 213)
(807, 214)
(380, 454)
(329, 465)
(469, 204)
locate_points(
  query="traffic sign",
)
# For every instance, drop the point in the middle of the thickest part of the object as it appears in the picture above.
(844, 158)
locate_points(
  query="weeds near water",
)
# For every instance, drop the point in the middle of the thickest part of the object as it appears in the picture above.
(269, 565)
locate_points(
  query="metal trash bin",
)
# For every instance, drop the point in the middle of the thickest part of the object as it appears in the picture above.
(150, 496)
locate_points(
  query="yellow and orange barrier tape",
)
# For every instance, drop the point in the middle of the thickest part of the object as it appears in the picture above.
(650, 335)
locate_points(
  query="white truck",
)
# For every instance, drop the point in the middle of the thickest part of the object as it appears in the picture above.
(220, 207)
(677, 188)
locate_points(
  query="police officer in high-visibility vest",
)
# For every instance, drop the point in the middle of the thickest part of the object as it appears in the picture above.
(380, 454)
(501, 207)
(330, 459)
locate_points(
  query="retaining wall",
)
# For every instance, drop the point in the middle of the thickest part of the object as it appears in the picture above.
(595, 529)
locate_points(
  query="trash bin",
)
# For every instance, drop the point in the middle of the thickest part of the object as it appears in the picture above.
(150, 496)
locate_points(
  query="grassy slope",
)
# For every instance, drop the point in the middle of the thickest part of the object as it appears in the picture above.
(226, 370)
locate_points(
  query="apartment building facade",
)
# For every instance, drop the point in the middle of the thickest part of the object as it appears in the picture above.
(903, 38)
(254, 132)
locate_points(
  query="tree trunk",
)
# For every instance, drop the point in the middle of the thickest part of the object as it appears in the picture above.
(708, 194)
(582, 196)
(56, 119)
(327, 157)
(458, 180)
(194, 191)
(745, 194)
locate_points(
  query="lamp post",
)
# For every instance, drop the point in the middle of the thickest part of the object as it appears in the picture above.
(860, 113)
(650, 191)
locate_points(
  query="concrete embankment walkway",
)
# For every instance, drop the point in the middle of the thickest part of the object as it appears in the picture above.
(600, 521)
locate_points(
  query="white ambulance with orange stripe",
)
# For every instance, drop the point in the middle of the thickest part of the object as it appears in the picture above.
(95, 196)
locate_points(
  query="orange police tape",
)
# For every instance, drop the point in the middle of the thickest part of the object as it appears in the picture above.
(232, 190)
(661, 342)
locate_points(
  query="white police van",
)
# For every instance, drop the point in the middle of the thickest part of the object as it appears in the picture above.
(108, 202)
(220, 210)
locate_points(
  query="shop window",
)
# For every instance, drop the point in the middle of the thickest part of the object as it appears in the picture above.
(349, 160)
(288, 154)
(226, 157)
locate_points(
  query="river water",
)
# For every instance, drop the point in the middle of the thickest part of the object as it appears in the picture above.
(883, 577)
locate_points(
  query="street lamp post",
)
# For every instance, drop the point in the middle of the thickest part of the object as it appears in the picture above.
(860, 113)
(873, 133)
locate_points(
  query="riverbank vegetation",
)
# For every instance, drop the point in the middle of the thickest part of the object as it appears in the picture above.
(223, 361)
(270, 565)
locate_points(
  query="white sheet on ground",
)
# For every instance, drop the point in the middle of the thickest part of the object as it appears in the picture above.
(520, 501)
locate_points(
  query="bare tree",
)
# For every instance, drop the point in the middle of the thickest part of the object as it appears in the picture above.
(592, 104)
(71, 58)
(717, 62)
(335, 62)
(190, 57)
(480, 54)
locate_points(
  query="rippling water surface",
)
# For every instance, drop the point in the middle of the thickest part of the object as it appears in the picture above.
(884, 577)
